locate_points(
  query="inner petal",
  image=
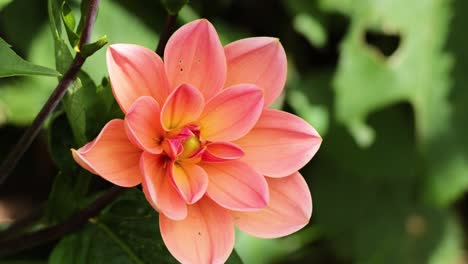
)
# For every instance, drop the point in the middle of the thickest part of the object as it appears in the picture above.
(183, 144)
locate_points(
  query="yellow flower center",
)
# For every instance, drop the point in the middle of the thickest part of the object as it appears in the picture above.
(190, 145)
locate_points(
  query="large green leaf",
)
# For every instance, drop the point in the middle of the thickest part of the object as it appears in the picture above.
(418, 72)
(13, 65)
(127, 232)
(367, 81)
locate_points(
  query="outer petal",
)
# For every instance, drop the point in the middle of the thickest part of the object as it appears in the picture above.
(158, 188)
(190, 180)
(112, 156)
(205, 236)
(235, 185)
(136, 71)
(195, 55)
(289, 209)
(232, 113)
(261, 61)
(183, 106)
(221, 151)
(279, 144)
(143, 126)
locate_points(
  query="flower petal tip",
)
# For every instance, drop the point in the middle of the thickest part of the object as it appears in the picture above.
(81, 161)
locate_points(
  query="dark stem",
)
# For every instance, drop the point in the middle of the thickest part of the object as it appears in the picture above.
(22, 224)
(169, 27)
(31, 133)
(18, 244)
(89, 23)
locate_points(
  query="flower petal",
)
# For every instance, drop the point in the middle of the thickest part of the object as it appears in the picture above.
(184, 105)
(111, 155)
(235, 185)
(289, 209)
(205, 236)
(221, 151)
(190, 180)
(194, 55)
(158, 188)
(136, 71)
(259, 60)
(232, 113)
(143, 125)
(279, 144)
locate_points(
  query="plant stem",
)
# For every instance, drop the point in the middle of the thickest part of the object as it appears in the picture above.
(31, 133)
(89, 23)
(20, 225)
(18, 244)
(169, 27)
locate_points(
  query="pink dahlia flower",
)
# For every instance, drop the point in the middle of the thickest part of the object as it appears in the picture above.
(199, 137)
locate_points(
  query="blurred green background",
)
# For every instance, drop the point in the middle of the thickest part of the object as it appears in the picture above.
(385, 82)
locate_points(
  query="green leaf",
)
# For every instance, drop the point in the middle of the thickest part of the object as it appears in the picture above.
(13, 65)
(450, 248)
(311, 29)
(66, 196)
(69, 22)
(22, 98)
(419, 72)
(126, 232)
(63, 56)
(310, 103)
(71, 183)
(89, 49)
(173, 6)
(76, 104)
(89, 108)
(4, 3)
(447, 143)
(61, 141)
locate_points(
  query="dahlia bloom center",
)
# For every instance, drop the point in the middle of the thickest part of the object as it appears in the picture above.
(183, 143)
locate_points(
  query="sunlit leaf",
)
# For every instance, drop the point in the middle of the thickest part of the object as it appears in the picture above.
(69, 22)
(13, 65)
(311, 29)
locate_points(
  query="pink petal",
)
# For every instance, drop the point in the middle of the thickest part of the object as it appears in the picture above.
(194, 55)
(205, 236)
(279, 144)
(261, 61)
(183, 106)
(143, 126)
(221, 151)
(289, 209)
(190, 180)
(232, 113)
(111, 155)
(136, 71)
(158, 188)
(235, 185)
